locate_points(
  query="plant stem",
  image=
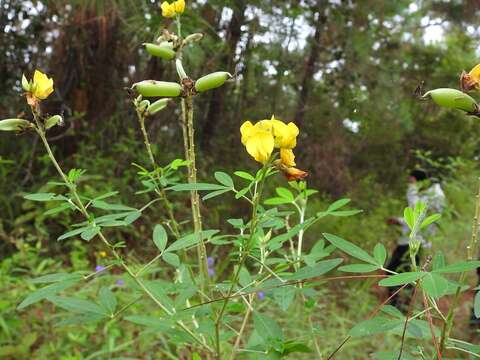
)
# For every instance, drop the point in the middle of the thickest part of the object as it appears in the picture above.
(240, 333)
(160, 188)
(189, 144)
(471, 247)
(41, 132)
(432, 328)
(253, 227)
(301, 213)
(409, 314)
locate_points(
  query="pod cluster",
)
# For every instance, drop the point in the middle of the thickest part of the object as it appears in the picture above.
(166, 47)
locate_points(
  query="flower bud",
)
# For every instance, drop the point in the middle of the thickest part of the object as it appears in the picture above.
(453, 98)
(25, 83)
(164, 50)
(143, 105)
(212, 81)
(52, 121)
(157, 106)
(151, 88)
(293, 174)
(14, 124)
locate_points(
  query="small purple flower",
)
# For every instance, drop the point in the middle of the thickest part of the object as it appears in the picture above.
(211, 272)
(210, 261)
(99, 268)
(120, 282)
(261, 295)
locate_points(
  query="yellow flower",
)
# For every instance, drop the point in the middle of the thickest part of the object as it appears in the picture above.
(179, 6)
(471, 80)
(102, 254)
(42, 86)
(285, 134)
(170, 10)
(260, 139)
(266, 135)
(287, 157)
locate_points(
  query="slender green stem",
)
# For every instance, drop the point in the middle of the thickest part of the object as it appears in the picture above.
(301, 214)
(179, 26)
(471, 248)
(160, 188)
(125, 307)
(240, 333)
(245, 253)
(41, 132)
(146, 266)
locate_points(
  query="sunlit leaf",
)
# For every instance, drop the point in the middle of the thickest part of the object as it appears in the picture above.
(349, 248)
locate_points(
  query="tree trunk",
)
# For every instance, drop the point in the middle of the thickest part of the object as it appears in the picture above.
(216, 106)
(309, 67)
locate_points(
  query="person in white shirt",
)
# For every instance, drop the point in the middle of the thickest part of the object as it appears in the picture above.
(420, 188)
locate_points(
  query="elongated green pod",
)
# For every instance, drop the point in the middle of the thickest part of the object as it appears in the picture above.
(164, 50)
(14, 124)
(52, 121)
(157, 106)
(453, 98)
(152, 88)
(212, 81)
(193, 38)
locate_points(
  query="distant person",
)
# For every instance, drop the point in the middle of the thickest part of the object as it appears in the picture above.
(420, 188)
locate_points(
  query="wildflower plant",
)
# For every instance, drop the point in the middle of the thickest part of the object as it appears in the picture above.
(213, 307)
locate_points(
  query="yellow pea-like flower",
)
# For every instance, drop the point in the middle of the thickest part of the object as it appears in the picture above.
(258, 141)
(285, 134)
(168, 10)
(287, 157)
(42, 85)
(175, 8)
(179, 6)
(266, 135)
(261, 139)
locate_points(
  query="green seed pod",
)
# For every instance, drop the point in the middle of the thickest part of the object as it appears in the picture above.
(212, 81)
(152, 88)
(193, 38)
(14, 124)
(52, 121)
(157, 106)
(453, 98)
(143, 105)
(164, 50)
